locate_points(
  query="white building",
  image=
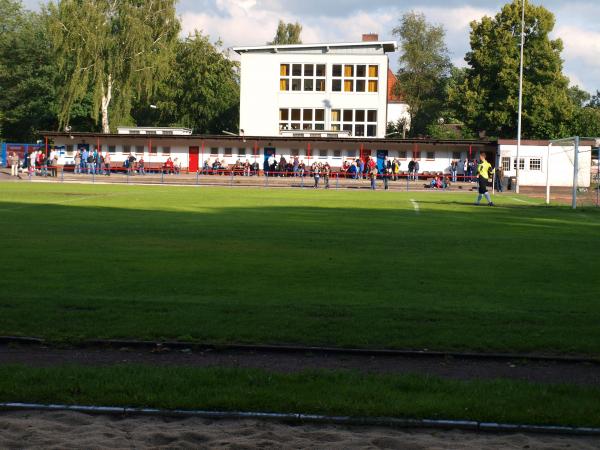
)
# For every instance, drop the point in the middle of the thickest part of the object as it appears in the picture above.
(316, 90)
(167, 131)
(535, 166)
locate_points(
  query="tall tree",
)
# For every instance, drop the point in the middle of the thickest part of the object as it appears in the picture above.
(488, 98)
(27, 101)
(287, 34)
(424, 67)
(202, 91)
(115, 49)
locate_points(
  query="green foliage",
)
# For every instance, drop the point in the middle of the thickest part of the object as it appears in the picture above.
(109, 48)
(487, 100)
(287, 34)
(424, 67)
(202, 91)
(26, 76)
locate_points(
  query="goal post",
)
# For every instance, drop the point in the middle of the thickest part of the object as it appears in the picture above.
(571, 149)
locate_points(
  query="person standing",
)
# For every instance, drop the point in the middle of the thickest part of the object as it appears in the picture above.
(386, 177)
(500, 179)
(77, 161)
(484, 172)
(373, 177)
(454, 170)
(107, 163)
(416, 171)
(326, 174)
(14, 165)
(316, 174)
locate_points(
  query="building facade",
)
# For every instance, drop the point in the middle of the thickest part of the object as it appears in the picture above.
(316, 90)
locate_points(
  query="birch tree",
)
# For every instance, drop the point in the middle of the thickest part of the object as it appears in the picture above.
(117, 50)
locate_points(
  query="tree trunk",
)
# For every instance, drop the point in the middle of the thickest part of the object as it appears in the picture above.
(106, 98)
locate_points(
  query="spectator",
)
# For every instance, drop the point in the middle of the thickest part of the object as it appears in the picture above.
(107, 164)
(454, 170)
(90, 162)
(169, 166)
(296, 165)
(54, 163)
(316, 169)
(416, 171)
(500, 179)
(373, 177)
(360, 165)
(411, 169)
(255, 168)
(141, 166)
(131, 164)
(77, 161)
(396, 169)
(246, 168)
(465, 170)
(301, 168)
(386, 173)
(32, 162)
(13, 160)
(326, 174)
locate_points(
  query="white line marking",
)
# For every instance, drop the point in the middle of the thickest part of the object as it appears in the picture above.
(416, 206)
(523, 201)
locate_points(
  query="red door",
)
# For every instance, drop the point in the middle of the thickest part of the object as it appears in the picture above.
(193, 159)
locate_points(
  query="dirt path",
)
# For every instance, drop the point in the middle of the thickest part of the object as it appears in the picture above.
(65, 430)
(453, 368)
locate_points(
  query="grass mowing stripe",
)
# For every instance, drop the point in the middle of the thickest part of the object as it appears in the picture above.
(257, 266)
(312, 392)
(416, 206)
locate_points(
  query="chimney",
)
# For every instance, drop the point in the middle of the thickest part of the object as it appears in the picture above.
(371, 37)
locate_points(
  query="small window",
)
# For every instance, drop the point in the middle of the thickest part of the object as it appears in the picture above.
(373, 86)
(506, 163)
(402, 155)
(371, 130)
(360, 86)
(521, 164)
(416, 156)
(297, 70)
(139, 149)
(361, 71)
(337, 70)
(535, 164)
(295, 114)
(309, 85)
(284, 85)
(348, 86)
(373, 71)
(309, 70)
(320, 126)
(167, 132)
(321, 70)
(154, 150)
(351, 153)
(295, 152)
(284, 70)
(134, 131)
(359, 115)
(335, 115)
(456, 155)
(348, 115)
(320, 86)
(284, 114)
(127, 149)
(296, 84)
(241, 152)
(214, 151)
(336, 85)
(431, 156)
(112, 149)
(307, 115)
(372, 116)
(150, 132)
(323, 154)
(337, 154)
(228, 151)
(320, 115)
(348, 71)
(166, 150)
(359, 130)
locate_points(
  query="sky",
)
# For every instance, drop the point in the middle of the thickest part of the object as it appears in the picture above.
(253, 22)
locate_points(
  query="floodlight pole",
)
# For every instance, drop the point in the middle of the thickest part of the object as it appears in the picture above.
(520, 120)
(575, 172)
(548, 174)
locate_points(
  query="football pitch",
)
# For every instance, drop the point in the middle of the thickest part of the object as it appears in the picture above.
(344, 268)
(359, 269)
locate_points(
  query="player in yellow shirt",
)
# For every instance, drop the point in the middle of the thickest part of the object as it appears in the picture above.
(484, 173)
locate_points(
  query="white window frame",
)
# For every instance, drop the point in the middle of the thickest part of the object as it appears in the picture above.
(303, 78)
(303, 124)
(351, 126)
(354, 78)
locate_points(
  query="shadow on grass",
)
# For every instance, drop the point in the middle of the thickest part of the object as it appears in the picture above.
(364, 277)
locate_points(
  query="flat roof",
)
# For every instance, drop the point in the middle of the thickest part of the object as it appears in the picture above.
(374, 142)
(388, 46)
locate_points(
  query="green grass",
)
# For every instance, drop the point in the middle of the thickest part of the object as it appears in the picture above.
(346, 268)
(319, 392)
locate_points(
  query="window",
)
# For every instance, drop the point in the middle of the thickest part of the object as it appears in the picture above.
(351, 153)
(301, 119)
(431, 156)
(126, 148)
(166, 150)
(337, 154)
(214, 151)
(150, 132)
(359, 122)
(154, 150)
(456, 155)
(228, 152)
(302, 77)
(167, 132)
(323, 154)
(241, 152)
(139, 149)
(112, 149)
(402, 155)
(355, 78)
(416, 156)
(134, 131)
(505, 163)
(535, 164)
(521, 164)
(295, 152)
